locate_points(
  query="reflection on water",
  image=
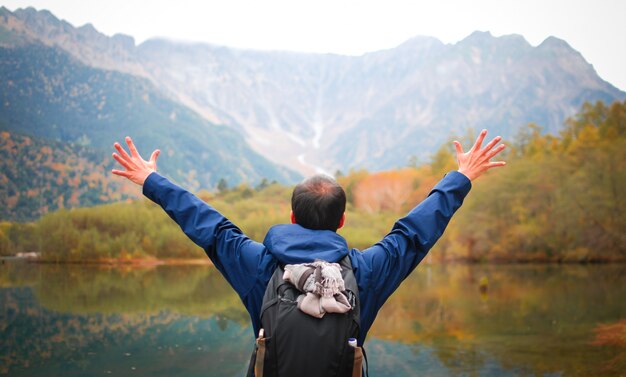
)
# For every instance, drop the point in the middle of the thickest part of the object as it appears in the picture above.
(185, 321)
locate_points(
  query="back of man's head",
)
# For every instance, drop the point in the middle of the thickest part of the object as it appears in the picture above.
(318, 203)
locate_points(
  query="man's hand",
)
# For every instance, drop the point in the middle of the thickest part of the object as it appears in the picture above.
(137, 169)
(476, 161)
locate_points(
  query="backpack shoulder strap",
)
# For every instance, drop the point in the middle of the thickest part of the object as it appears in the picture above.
(271, 296)
(351, 285)
(348, 275)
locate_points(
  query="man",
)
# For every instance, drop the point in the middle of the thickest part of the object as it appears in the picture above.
(318, 206)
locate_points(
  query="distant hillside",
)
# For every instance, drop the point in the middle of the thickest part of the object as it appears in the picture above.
(49, 96)
(38, 176)
(328, 111)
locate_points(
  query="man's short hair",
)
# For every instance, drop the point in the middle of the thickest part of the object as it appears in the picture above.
(318, 203)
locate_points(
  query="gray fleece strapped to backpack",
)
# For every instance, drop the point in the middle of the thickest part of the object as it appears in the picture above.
(295, 344)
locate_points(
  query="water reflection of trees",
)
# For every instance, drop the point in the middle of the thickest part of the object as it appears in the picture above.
(45, 342)
(543, 318)
(84, 316)
(532, 320)
(192, 290)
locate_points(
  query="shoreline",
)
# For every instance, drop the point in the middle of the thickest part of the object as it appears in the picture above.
(206, 261)
(114, 262)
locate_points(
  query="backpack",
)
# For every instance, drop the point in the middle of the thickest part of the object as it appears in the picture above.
(294, 343)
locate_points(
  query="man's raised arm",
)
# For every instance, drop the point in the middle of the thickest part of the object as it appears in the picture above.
(392, 259)
(236, 256)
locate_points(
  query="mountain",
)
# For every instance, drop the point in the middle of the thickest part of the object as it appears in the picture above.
(46, 93)
(55, 111)
(377, 110)
(326, 112)
(84, 43)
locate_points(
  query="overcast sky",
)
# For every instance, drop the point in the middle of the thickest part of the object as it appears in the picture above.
(595, 28)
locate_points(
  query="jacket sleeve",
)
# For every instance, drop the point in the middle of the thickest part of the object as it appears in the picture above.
(390, 261)
(235, 255)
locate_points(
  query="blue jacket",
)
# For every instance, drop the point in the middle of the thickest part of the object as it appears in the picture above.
(248, 265)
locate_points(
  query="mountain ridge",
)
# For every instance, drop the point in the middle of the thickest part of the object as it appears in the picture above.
(438, 89)
(54, 108)
(323, 112)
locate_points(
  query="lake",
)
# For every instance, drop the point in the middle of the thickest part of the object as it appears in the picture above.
(454, 320)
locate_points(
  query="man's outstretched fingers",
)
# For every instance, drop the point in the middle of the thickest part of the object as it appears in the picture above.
(137, 169)
(492, 143)
(476, 161)
(121, 161)
(459, 148)
(131, 146)
(120, 172)
(495, 151)
(154, 156)
(479, 140)
(121, 151)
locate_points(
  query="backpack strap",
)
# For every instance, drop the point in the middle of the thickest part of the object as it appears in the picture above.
(367, 364)
(351, 285)
(270, 297)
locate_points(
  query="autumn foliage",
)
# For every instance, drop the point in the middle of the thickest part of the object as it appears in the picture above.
(37, 177)
(560, 198)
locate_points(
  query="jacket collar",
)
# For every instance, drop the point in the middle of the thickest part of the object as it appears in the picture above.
(292, 244)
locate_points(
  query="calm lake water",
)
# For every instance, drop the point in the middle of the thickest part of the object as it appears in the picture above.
(74, 320)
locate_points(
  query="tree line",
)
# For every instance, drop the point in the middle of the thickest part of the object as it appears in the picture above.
(561, 198)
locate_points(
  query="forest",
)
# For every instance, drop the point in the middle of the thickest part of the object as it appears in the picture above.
(561, 198)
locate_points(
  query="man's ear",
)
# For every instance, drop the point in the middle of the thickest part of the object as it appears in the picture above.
(293, 217)
(343, 220)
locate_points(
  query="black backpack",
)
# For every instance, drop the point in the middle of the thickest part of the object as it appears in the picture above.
(296, 344)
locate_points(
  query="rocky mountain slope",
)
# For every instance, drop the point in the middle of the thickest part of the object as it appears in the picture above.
(377, 110)
(60, 117)
(327, 112)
